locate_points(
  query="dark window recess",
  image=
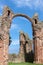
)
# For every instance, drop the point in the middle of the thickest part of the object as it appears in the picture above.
(0, 37)
(26, 41)
(8, 12)
(35, 21)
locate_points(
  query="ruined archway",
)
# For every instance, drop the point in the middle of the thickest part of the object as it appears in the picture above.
(15, 36)
(6, 20)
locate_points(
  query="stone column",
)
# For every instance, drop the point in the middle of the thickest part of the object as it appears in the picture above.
(1, 52)
(5, 24)
(38, 47)
(22, 52)
(22, 46)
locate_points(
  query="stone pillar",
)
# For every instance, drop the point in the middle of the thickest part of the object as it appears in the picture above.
(38, 43)
(22, 45)
(25, 47)
(5, 23)
(22, 52)
(1, 52)
(4, 41)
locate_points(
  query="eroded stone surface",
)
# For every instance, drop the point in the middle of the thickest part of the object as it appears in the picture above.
(5, 22)
(25, 47)
(37, 27)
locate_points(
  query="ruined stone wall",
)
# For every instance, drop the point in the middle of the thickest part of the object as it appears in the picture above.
(25, 47)
(3, 43)
(25, 50)
(5, 21)
(37, 27)
(38, 43)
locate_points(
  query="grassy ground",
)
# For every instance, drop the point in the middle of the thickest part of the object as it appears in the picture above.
(23, 64)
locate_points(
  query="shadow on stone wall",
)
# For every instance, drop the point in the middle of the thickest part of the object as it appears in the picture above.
(29, 57)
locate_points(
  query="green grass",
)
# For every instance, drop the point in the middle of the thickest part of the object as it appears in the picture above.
(23, 64)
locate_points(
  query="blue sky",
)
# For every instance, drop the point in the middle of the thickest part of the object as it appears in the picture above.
(28, 7)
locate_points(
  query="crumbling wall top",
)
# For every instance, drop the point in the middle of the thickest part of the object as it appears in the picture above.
(27, 39)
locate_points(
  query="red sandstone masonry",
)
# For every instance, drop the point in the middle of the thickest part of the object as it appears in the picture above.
(37, 27)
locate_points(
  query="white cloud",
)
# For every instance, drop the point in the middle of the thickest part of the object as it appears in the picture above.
(1, 8)
(14, 47)
(15, 42)
(14, 26)
(33, 4)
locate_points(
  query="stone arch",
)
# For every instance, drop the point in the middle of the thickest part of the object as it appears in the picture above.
(30, 20)
(6, 20)
(23, 15)
(23, 59)
(8, 15)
